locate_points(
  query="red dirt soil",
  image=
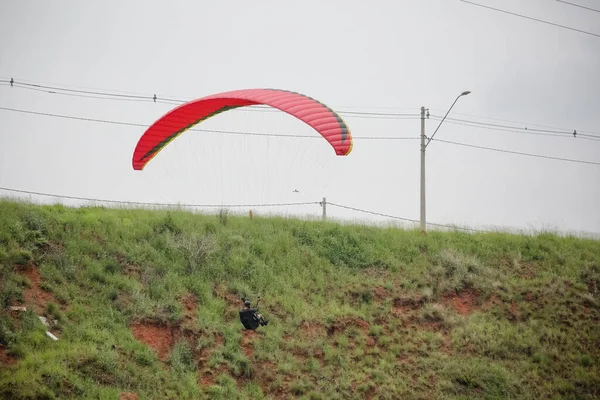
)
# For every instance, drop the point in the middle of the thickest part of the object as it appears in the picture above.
(404, 305)
(463, 303)
(6, 359)
(247, 342)
(493, 301)
(209, 377)
(341, 324)
(190, 305)
(234, 302)
(312, 329)
(515, 313)
(35, 296)
(160, 338)
(380, 293)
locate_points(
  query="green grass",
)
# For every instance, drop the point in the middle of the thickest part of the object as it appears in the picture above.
(354, 311)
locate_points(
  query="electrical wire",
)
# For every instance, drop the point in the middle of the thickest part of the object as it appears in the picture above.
(578, 5)
(294, 136)
(30, 192)
(154, 98)
(484, 125)
(398, 218)
(527, 124)
(153, 204)
(86, 96)
(97, 94)
(107, 92)
(517, 152)
(531, 18)
(516, 129)
(105, 121)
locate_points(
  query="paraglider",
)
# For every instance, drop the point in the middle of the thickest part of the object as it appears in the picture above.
(314, 113)
(250, 317)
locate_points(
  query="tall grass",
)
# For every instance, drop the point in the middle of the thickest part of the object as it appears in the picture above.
(354, 311)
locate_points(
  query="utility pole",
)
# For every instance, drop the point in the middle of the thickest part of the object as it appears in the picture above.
(323, 204)
(423, 147)
(423, 219)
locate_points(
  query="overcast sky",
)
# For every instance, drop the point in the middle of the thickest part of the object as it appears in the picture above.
(380, 56)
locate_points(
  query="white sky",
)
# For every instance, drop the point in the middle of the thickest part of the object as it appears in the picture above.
(379, 56)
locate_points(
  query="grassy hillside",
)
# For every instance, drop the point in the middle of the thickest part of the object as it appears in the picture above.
(146, 302)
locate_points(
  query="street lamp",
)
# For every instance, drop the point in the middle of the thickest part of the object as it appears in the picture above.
(423, 147)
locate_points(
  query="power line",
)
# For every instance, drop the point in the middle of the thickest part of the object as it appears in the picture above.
(53, 89)
(384, 116)
(168, 98)
(371, 212)
(154, 204)
(395, 217)
(154, 98)
(531, 18)
(578, 5)
(71, 117)
(86, 96)
(562, 132)
(97, 94)
(517, 129)
(534, 131)
(514, 122)
(518, 153)
(216, 205)
(288, 136)
(105, 121)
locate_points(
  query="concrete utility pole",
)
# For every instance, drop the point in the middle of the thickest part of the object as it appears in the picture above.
(423, 227)
(323, 204)
(423, 147)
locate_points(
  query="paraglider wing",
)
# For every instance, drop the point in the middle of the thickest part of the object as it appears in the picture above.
(314, 113)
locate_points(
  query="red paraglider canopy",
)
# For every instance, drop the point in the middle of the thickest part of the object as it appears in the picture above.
(322, 118)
